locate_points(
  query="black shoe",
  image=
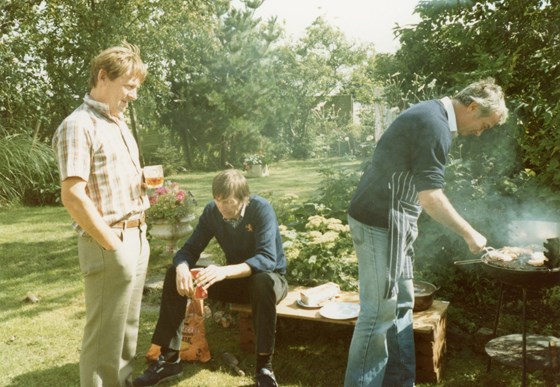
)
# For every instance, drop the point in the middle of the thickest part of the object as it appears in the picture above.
(160, 371)
(266, 378)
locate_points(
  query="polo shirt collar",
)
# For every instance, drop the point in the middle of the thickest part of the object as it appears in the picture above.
(451, 119)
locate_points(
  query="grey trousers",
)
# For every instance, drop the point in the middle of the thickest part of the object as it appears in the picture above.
(113, 283)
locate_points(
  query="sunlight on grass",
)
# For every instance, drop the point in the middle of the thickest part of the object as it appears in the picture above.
(39, 257)
(300, 178)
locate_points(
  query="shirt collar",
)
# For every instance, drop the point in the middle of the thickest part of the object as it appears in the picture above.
(100, 107)
(451, 119)
(242, 212)
(235, 222)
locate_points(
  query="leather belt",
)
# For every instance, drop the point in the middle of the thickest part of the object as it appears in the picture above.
(123, 225)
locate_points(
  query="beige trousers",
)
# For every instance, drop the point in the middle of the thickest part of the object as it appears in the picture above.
(113, 283)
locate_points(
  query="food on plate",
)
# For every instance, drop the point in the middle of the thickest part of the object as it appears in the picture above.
(319, 294)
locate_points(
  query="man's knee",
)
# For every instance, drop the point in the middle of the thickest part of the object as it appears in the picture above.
(262, 282)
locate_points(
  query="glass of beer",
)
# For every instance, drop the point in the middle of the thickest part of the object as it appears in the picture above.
(153, 176)
(199, 293)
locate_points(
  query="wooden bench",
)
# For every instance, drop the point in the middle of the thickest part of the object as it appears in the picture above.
(429, 329)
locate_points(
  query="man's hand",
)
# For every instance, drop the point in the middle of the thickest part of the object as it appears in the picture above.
(210, 275)
(184, 280)
(475, 241)
(83, 211)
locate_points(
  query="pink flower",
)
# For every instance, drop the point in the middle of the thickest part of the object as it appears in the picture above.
(162, 190)
(170, 202)
(180, 195)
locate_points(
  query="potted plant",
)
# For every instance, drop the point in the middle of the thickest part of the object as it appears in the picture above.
(170, 213)
(255, 165)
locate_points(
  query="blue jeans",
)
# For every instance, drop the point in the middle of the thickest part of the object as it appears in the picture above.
(382, 348)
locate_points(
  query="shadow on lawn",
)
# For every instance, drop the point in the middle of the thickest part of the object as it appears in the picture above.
(68, 374)
(47, 269)
(311, 353)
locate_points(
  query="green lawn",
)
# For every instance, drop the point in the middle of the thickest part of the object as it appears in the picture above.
(299, 178)
(40, 342)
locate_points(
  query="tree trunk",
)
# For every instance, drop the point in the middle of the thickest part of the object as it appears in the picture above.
(187, 148)
(135, 132)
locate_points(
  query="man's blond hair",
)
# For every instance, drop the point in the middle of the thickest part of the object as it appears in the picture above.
(117, 61)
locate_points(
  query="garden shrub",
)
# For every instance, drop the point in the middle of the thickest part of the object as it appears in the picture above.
(28, 172)
(336, 189)
(292, 213)
(322, 253)
(45, 191)
(316, 237)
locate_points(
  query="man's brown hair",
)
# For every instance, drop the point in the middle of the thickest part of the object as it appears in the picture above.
(230, 182)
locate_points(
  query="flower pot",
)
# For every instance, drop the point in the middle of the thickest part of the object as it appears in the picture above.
(171, 232)
(257, 170)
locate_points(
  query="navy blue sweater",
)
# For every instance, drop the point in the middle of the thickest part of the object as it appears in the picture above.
(418, 141)
(255, 241)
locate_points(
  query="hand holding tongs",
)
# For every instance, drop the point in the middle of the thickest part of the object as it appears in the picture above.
(486, 250)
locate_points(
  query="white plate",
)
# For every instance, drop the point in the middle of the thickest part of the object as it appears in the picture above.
(340, 310)
(307, 306)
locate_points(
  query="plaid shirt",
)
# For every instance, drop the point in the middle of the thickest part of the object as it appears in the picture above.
(101, 150)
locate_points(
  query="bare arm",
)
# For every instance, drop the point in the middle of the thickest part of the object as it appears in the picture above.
(436, 204)
(83, 211)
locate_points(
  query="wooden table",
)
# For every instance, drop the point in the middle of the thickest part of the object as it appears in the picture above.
(429, 329)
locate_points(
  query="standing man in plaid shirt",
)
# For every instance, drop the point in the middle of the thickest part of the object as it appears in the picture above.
(102, 190)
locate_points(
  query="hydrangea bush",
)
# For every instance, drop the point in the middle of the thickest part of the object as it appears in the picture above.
(322, 253)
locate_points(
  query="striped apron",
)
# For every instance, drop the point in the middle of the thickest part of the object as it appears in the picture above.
(403, 229)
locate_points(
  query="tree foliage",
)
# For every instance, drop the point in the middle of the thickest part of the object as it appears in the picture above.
(255, 93)
(221, 81)
(514, 41)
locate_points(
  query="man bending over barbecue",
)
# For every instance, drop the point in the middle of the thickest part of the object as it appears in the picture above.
(406, 175)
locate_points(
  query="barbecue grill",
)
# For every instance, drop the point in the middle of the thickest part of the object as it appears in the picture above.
(524, 277)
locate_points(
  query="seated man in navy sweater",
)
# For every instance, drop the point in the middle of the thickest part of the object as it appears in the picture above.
(246, 229)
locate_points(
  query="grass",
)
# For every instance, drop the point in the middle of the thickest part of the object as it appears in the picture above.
(40, 342)
(300, 178)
